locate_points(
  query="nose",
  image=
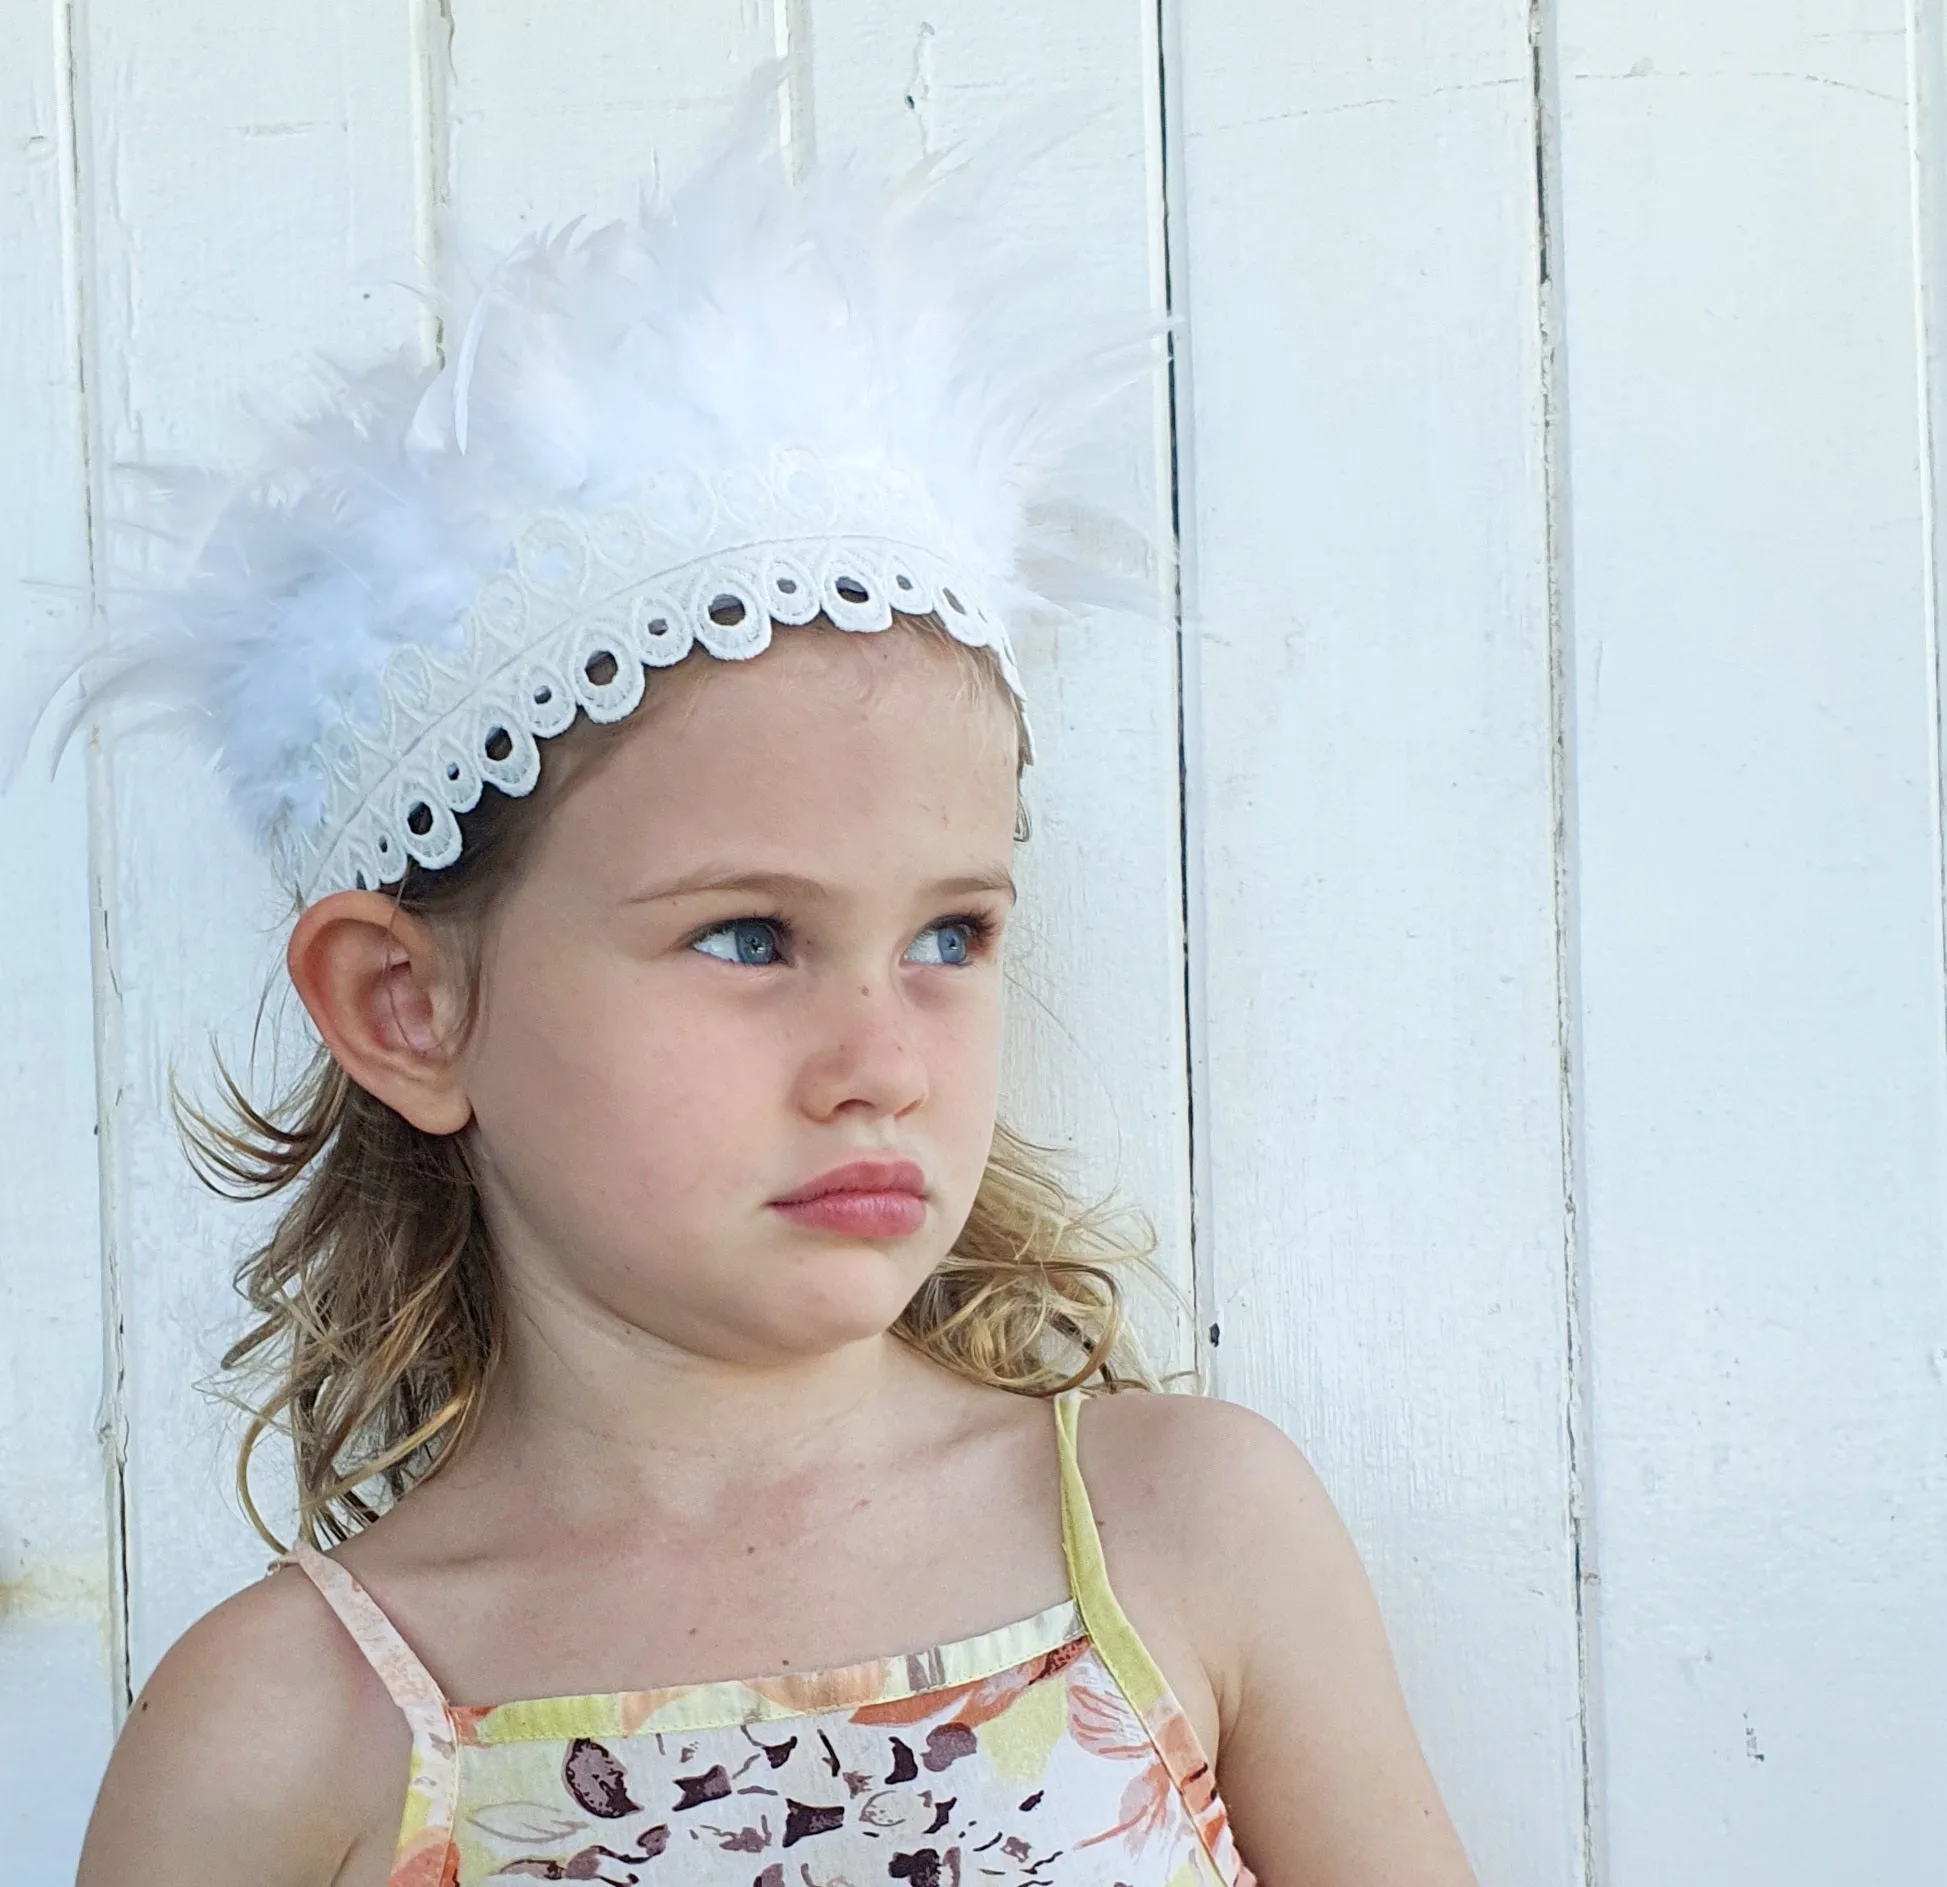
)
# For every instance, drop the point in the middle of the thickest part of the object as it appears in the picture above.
(864, 1054)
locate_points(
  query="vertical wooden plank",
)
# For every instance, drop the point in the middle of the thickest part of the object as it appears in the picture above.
(57, 1686)
(1367, 602)
(1762, 955)
(249, 174)
(1098, 1058)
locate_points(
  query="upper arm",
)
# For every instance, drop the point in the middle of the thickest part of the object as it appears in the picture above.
(260, 1754)
(1319, 1766)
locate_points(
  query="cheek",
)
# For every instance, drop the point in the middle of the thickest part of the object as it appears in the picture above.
(962, 1047)
(598, 1084)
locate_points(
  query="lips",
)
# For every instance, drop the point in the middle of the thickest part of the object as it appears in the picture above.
(865, 1199)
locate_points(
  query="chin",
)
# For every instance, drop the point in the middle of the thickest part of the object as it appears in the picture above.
(848, 1294)
(788, 1306)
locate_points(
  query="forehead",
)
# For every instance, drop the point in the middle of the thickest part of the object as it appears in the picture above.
(831, 754)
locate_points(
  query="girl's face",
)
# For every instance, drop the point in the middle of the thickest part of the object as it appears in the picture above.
(758, 943)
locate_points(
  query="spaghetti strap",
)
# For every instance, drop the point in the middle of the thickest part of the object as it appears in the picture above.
(1115, 1640)
(1136, 1673)
(407, 1682)
(432, 1790)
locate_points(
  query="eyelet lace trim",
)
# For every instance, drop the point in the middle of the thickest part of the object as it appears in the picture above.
(586, 608)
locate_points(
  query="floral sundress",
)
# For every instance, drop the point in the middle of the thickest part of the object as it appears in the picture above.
(1049, 1753)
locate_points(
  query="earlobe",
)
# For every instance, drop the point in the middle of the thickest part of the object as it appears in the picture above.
(384, 997)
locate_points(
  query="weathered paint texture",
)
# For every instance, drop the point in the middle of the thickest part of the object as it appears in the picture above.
(1491, 919)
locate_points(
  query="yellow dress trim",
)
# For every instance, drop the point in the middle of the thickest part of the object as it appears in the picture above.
(774, 1699)
(1114, 1638)
(1126, 1658)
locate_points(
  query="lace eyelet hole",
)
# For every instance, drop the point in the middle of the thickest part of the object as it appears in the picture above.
(852, 590)
(727, 611)
(499, 744)
(542, 696)
(954, 603)
(452, 769)
(787, 586)
(602, 668)
(905, 583)
(419, 821)
(658, 629)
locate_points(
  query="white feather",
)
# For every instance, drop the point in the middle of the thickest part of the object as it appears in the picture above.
(744, 314)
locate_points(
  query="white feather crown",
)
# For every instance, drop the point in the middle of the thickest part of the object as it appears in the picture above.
(757, 402)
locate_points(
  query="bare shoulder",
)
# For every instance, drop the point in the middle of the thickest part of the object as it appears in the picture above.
(1218, 1524)
(1204, 1477)
(262, 1750)
(1217, 1527)
(1203, 1433)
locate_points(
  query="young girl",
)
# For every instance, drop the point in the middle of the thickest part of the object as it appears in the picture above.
(707, 1464)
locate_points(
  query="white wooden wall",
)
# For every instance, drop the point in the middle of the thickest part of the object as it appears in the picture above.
(1498, 935)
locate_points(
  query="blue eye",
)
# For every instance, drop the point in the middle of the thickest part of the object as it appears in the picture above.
(951, 943)
(750, 940)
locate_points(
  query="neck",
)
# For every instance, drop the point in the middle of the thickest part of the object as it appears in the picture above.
(605, 1418)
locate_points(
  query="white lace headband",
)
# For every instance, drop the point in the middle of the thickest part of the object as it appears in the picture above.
(589, 603)
(756, 403)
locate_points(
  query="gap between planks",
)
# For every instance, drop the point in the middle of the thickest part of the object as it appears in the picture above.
(432, 78)
(1926, 35)
(111, 1420)
(1168, 197)
(1545, 122)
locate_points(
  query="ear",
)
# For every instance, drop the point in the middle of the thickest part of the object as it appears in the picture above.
(388, 1001)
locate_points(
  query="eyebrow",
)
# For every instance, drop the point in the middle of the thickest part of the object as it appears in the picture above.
(786, 884)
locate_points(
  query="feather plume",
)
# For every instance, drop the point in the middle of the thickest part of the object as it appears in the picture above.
(743, 315)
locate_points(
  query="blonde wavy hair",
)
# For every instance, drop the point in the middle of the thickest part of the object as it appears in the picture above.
(378, 1321)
